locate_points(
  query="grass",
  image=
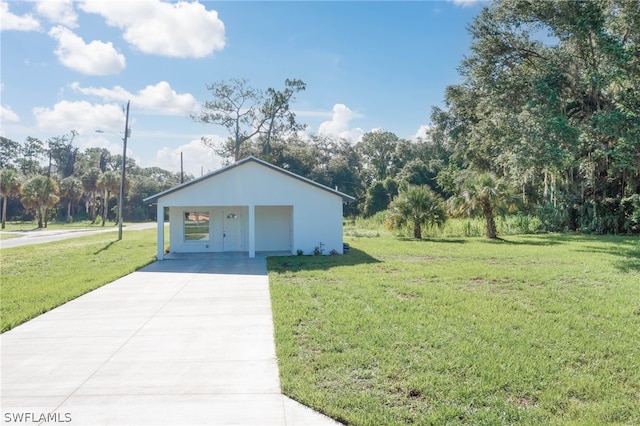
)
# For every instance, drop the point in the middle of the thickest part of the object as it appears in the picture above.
(374, 226)
(37, 278)
(539, 329)
(6, 235)
(529, 330)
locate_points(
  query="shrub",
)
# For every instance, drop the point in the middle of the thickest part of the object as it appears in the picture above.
(554, 218)
(630, 207)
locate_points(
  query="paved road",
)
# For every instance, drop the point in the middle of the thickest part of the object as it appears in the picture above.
(46, 236)
(184, 341)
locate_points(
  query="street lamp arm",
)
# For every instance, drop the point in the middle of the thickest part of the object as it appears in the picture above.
(112, 133)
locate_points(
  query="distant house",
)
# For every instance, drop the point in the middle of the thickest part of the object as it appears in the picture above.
(251, 206)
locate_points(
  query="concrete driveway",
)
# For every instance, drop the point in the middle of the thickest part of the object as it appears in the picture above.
(185, 341)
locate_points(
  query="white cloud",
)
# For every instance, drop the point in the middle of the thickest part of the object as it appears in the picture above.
(338, 126)
(9, 21)
(197, 157)
(81, 116)
(182, 29)
(159, 98)
(421, 133)
(95, 58)
(58, 11)
(7, 114)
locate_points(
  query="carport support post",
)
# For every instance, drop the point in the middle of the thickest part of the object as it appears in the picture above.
(252, 230)
(160, 222)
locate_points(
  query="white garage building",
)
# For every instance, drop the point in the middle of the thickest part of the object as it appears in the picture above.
(251, 206)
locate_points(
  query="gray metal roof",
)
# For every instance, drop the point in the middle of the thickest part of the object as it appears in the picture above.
(154, 198)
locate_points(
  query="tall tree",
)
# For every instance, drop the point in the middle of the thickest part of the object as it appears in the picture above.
(247, 112)
(107, 183)
(550, 100)
(32, 154)
(344, 169)
(234, 106)
(71, 191)
(10, 186)
(416, 172)
(90, 186)
(9, 152)
(40, 194)
(279, 119)
(98, 158)
(63, 154)
(376, 200)
(377, 149)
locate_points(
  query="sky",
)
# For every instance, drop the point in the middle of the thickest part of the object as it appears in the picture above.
(70, 65)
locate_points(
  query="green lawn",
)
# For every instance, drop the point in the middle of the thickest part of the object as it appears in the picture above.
(540, 329)
(39, 277)
(528, 330)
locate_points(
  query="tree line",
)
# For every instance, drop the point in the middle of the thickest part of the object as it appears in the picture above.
(545, 123)
(550, 104)
(53, 179)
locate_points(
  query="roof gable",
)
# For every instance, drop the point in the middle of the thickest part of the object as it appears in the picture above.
(154, 198)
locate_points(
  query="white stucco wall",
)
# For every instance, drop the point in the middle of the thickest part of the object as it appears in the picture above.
(274, 228)
(316, 213)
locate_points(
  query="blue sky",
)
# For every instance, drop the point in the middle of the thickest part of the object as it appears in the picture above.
(367, 65)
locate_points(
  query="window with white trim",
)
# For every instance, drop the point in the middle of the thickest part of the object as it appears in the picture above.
(196, 226)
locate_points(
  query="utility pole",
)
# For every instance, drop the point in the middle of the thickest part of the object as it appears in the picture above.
(122, 176)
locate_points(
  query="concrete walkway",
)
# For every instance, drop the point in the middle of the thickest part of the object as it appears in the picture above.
(185, 341)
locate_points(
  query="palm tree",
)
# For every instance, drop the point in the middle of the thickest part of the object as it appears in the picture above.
(90, 186)
(418, 205)
(481, 194)
(10, 186)
(71, 191)
(108, 182)
(40, 194)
